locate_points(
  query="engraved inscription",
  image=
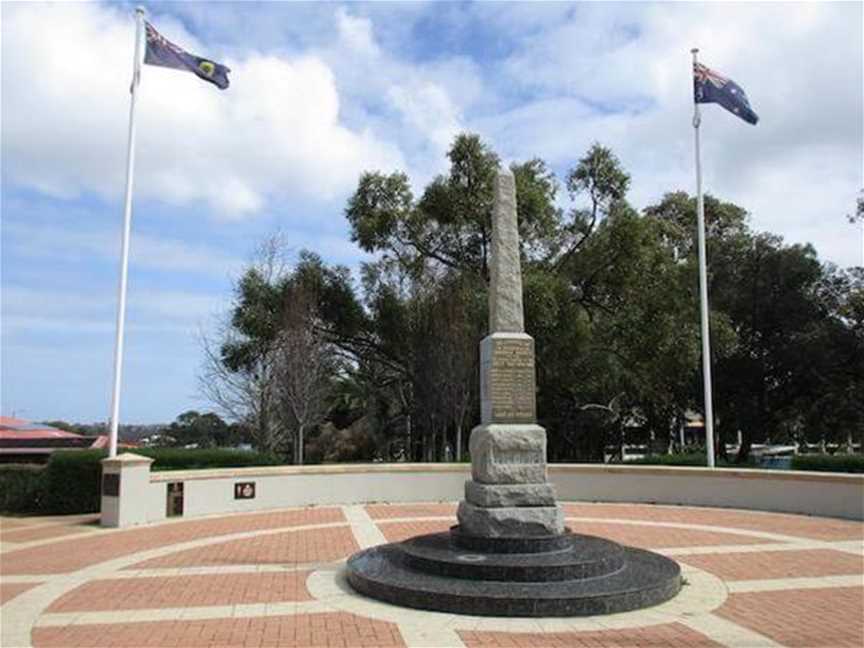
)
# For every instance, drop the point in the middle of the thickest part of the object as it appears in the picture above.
(510, 458)
(511, 381)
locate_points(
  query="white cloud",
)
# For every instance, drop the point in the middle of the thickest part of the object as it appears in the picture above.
(275, 133)
(625, 70)
(146, 251)
(26, 310)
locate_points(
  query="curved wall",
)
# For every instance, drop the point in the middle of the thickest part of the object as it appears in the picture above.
(213, 491)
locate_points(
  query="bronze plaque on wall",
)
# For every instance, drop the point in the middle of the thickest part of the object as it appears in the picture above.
(111, 484)
(174, 506)
(244, 490)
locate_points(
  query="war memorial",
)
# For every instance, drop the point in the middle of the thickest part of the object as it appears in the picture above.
(510, 554)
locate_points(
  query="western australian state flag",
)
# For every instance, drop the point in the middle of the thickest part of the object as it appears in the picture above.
(161, 51)
(710, 87)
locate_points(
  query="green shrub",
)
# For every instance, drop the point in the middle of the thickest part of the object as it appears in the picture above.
(72, 482)
(182, 459)
(21, 488)
(829, 463)
(689, 459)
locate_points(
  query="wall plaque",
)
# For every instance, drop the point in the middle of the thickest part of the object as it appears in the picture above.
(174, 505)
(244, 490)
(510, 381)
(111, 484)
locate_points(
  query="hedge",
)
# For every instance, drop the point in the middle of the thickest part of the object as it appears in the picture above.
(70, 482)
(21, 487)
(848, 463)
(182, 459)
(688, 459)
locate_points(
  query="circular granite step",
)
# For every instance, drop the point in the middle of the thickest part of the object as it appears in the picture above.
(393, 574)
(581, 557)
(521, 544)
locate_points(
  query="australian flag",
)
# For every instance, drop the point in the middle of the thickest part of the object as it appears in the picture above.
(161, 51)
(710, 87)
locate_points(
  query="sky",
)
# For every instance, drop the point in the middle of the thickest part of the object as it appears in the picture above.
(321, 92)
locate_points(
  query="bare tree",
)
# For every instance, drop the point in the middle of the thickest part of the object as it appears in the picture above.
(239, 373)
(306, 364)
(247, 395)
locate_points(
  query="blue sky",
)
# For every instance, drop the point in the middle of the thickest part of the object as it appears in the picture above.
(321, 92)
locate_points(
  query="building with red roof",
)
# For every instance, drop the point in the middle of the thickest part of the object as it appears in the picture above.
(25, 442)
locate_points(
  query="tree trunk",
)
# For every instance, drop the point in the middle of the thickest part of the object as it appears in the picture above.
(299, 455)
(458, 454)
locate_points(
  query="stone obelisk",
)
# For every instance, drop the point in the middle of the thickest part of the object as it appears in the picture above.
(508, 495)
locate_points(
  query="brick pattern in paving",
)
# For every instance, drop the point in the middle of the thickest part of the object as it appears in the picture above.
(72, 555)
(8, 591)
(811, 618)
(799, 618)
(653, 537)
(778, 564)
(288, 548)
(26, 534)
(184, 591)
(668, 635)
(813, 528)
(398, 531)
(390, 511)
(307, 630)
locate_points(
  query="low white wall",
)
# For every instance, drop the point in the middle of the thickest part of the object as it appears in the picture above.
(212, 491)
(784, 491)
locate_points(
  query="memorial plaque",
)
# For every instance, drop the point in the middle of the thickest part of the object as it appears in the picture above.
(244, 490)
(174, 504)
(111, 484)
(510, 376)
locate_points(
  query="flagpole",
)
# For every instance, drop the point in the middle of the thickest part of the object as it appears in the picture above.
(124, 247)
(703, 287)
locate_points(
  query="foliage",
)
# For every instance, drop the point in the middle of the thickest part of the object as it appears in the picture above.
(611, 299)
(688, 459)
(848, 463)
(183, 459)
(21, 488)
(207, 430)
(72, 482)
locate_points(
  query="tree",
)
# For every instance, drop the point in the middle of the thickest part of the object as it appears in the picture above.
(450, 226)
(305, 363)
(239, 373)
(206, 430)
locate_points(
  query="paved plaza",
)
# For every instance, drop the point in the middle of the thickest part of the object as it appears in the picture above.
(276, 579)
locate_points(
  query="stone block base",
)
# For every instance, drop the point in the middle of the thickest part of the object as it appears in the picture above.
(501, 495)
(508, 454)
(510, 521)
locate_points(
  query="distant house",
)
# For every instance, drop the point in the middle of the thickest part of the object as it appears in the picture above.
(25, 442)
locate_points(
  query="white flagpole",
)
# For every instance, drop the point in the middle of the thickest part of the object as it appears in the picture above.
(703, 288)
(124, 248)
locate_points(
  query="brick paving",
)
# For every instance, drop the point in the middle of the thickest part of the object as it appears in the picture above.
(328, 629)
(261, 590)
(670, 635)
(398, 531)
(812, 618)
(313, 545)
(184, 591)
(29, 534)
(72, 555)
(778, 564)
(385, 511)
(652, 537)
(8, 591)
(803, 526)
